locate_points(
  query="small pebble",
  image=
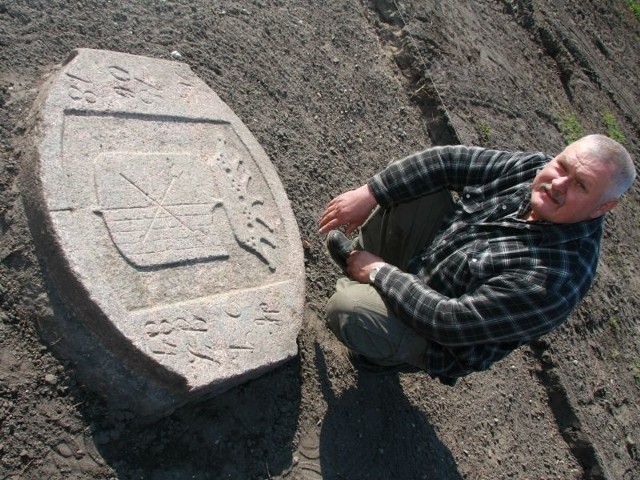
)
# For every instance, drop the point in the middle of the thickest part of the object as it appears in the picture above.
(176, 55)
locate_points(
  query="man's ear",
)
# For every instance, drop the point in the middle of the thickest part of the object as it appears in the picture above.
(605, 207)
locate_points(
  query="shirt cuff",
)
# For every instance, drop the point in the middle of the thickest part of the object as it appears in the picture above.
(378, 189)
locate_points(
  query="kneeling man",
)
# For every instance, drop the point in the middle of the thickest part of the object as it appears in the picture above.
(452, 286)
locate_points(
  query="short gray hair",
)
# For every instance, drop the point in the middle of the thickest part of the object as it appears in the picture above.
(608, 150)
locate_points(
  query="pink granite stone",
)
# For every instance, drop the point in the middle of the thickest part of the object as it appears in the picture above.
(165, 230)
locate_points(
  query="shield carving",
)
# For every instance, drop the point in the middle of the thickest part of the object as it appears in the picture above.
(161, 208)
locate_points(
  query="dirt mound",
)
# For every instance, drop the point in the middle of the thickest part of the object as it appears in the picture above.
(333, 91)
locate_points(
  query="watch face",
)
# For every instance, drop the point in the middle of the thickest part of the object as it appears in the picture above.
(372, 274)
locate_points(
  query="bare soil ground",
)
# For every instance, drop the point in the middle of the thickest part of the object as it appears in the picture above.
(334, 90)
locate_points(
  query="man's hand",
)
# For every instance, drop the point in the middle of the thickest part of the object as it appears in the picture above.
(360, 263)
(349, 209)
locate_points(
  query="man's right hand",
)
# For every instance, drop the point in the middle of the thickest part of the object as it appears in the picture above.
(349, 209)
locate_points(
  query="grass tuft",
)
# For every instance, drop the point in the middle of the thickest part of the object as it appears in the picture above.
(613, 128)
(484, 132)
(570, 127)
(634, 6)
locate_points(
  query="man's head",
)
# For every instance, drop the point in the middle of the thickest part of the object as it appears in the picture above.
(583, 182)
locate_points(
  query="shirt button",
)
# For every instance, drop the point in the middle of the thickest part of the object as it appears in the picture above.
(467, 196)
(504, 207)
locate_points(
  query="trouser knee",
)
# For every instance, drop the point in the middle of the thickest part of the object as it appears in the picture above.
(339, 307)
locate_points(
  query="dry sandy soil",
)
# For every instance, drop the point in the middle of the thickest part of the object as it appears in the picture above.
(334, 90)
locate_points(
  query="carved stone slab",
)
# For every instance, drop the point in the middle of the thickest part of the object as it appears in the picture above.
(165, 229)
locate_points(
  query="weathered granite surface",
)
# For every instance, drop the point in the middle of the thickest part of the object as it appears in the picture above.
(164, 229)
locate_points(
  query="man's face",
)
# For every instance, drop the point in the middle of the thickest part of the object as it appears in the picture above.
(570, 187)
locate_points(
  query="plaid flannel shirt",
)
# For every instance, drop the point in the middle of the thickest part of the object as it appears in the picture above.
(490, 281)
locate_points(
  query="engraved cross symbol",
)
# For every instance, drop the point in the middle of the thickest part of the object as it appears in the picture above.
(160, 206)
(161, 209)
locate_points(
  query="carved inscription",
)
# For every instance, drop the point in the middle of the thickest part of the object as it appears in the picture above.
(252, 231)
(261, 314)
(269, 315)
(185, 86)
(161, 209)
(82, 89)
(187, 335)
(122, 81)
(200, 336)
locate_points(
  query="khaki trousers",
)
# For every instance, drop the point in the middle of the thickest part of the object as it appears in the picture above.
(356, 313)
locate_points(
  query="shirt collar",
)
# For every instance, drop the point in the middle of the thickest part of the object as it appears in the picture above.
(557, 233)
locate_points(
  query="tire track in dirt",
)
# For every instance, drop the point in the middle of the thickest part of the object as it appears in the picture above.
(401, 47)
(566, 416)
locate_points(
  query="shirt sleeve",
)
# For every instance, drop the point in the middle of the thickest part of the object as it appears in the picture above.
(436, 168)
(510, 307)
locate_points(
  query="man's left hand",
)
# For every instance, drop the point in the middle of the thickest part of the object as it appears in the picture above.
(359, 263)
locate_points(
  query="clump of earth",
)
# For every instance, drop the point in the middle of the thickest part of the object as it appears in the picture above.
(333, 91)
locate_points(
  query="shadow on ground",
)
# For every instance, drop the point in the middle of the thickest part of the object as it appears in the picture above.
(246, 432)
(371, 430)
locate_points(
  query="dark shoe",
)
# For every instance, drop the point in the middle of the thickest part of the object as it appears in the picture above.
(339, 247)
(360, 362)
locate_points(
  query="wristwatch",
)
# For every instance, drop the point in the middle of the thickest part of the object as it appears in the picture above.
(373, 272)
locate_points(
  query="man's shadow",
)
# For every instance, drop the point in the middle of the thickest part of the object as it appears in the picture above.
(372, 431)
